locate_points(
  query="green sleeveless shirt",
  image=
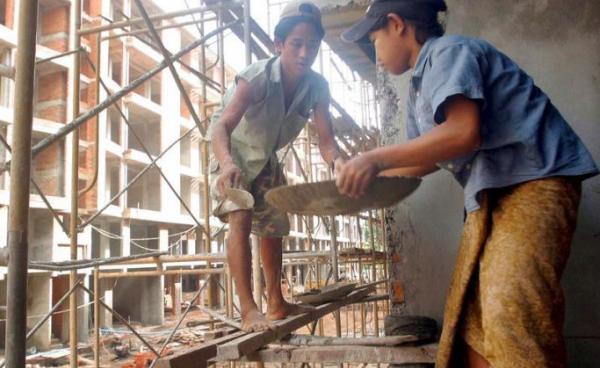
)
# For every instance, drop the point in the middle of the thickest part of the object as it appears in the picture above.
(266, 125)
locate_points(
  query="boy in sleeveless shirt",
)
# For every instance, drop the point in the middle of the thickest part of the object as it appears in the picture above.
(267, 107)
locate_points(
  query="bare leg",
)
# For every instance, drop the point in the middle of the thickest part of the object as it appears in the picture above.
(239, 259)
(277, 307)
(474, 360)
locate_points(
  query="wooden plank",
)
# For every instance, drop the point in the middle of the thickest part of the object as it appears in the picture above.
(309, 340)
(196, 357)
(253, 341)
(419, 354)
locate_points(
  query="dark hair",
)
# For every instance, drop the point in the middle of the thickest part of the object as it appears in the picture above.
(286, 25)
(423, 15)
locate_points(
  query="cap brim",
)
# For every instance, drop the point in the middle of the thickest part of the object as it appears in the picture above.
(359, 30)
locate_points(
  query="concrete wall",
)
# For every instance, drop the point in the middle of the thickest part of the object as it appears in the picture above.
(557, 43)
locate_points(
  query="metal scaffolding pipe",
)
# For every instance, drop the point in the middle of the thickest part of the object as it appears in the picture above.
(136, 21)
(92, 182)
(187, 309)
(58, 56)
(42, 196)
(20, 174)
(68, 128)
(136, 178)
(247, 35)
(147, 152)
(121, 319)
(197, 271)
(74, 89)
(146, 30)
(167, 55)
(49, 314)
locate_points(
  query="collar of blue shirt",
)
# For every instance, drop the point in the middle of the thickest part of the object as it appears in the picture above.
(422, 58)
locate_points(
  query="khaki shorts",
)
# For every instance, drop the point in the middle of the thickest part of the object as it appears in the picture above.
(266, 220)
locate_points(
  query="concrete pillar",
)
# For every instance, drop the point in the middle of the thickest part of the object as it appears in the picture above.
(39, 302)
(126, 235)
(176, 297)
(83, 312)
(163, 239)
(107, 292)
(104, 247)
(191, 246)
(152, 309)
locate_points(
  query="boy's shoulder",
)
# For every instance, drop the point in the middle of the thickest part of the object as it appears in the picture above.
(452, 40)
(257, 68)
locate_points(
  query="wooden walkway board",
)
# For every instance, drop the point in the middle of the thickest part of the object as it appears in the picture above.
(304, 340)
(251, 342)
(420, 354)
(196, 357)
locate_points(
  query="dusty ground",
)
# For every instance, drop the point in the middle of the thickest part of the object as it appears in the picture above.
(120, 340)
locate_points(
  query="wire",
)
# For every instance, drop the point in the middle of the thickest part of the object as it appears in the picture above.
(58, 312)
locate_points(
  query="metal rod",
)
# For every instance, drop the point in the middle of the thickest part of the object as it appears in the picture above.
(136, 21)
(68, 128)
(70, 52)
(121, 319)
(196, 271)
(168, 340)
(229, 294)
(39, 191)
(204, 160)
(145, 30)
(212, 84)
(74, 89)
(167, 55)
(373, 272)
(92, 182)
(147, 152)
(247, 35)
(96, 317)
(16, 289)
(41, 322)
(136, 178)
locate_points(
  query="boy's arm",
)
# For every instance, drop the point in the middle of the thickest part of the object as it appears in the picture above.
(231, 175)
(418, 171)
(327, 144)
(457, 136)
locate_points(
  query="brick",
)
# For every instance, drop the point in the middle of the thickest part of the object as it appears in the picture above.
(54, 20)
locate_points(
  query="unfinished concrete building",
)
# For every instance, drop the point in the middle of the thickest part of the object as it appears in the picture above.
(126, 208)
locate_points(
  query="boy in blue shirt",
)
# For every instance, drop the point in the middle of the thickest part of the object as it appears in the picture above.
(473, 111)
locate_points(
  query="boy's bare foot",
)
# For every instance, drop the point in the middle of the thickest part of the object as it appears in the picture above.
(254, 321)
(277, 311)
